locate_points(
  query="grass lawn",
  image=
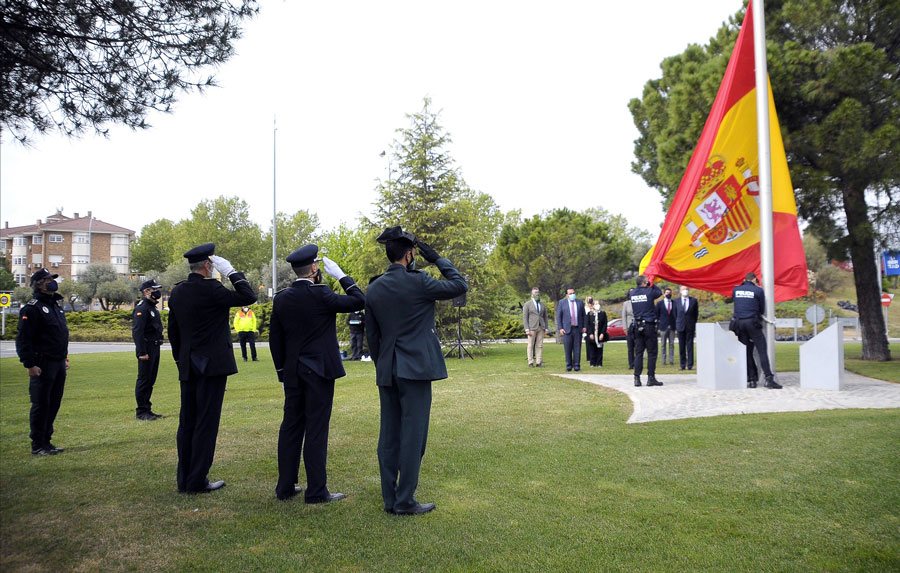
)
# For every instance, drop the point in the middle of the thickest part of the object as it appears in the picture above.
(529, 472)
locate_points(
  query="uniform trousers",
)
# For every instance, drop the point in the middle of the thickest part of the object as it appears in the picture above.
(405, 413)
(750, 333)
(668, 342)
(534, 350)
(686, 347)
(146, 378)
(307, 413)
(645, 338)
(244, 337)
(629, 343)
(46, 392)
(356, 345)
(198, 427)
(572, 348)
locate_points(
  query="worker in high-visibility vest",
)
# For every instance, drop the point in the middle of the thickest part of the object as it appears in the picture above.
(245, 325)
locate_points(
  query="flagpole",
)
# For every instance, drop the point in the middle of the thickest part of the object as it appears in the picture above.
(766, 238)
(274, 209)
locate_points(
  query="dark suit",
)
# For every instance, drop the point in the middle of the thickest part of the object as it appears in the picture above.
(407, 354)
(665, 324)
(201, 346)
(572, 333)
(686, 326)
(303, 341)
(596, 328)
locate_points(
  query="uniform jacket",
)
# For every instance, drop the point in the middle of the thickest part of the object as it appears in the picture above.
(627, 315)
(198, 324)
(244, 322)
(596, 325)
(642, 302)
(686, 321)
(749, 300)
(303, 332)
(534, 318)
(564, 315)
(43, 332)
(400, 321)
(665, 318)
(146, 326)
(356, 321)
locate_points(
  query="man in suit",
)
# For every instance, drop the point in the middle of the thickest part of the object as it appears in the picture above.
(534, 318)
(407, 356)
(665, 324)
(571, 325)
(201, 346)
(304, 345)
(686, 312)
(147, 333)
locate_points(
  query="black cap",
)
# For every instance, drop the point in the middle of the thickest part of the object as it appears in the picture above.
(305, 255)
(200, 253)
(40, 275)
(395, 233)
(149, 284)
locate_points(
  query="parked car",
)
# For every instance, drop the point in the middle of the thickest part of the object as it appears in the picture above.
(615, 329)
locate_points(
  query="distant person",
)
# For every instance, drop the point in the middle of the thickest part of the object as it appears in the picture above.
(201, 346)
(42, 343)
(642, 298)
(570, 323)
(749, 309)
(245, 326)
(534, 319)
(596, 335)
(356, 321)
(147, 333)
(687, 309)
(628, 325)
(665, 324)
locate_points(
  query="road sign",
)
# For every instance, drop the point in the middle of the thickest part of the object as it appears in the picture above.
(5, 299)
(815, 314)
(886, 299)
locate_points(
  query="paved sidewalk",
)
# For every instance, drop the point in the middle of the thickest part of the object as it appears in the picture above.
(680, 397)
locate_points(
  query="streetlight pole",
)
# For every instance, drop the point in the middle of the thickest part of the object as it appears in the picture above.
(274, 209)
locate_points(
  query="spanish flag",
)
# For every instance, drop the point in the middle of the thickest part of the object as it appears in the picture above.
(710, 237)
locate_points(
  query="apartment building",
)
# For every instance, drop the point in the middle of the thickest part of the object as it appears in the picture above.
(65, 245)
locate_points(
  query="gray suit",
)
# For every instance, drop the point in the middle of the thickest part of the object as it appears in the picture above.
(534, 319)
(407, 355)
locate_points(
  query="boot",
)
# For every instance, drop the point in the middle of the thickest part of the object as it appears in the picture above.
(771, 383)
(652, 381)
(637, 380)
(751, 383)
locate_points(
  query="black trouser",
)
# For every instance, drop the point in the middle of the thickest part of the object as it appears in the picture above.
(593, 353)
(686, 347)
(356, 345)
(244, 337)
(46, 392)
(645, 338)
(405, 413)
(572, 348)
(750, 332)
(307, 413)
(629, 342)
(146, 378)
(198, 427)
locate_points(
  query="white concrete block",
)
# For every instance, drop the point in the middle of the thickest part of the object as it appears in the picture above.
(721, 359)
(822, 360)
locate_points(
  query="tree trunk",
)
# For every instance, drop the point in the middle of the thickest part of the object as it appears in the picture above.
(865, 275)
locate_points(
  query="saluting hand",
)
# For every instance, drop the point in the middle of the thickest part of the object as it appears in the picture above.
(428, 253)
(222, 265)
(332, 269)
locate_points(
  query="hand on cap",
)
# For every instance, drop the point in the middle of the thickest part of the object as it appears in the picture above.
(430, 254)
(332, 269)
(222, 265)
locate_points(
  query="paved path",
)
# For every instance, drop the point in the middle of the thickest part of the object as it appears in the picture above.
(680, 397)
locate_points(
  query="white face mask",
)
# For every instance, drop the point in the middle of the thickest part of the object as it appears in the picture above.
(684, 292)
(596, 307)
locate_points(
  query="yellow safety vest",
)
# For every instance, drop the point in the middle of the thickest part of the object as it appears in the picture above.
(245, 322)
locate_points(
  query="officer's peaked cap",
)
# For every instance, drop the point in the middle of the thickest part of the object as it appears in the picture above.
(305, 255)
(149, 284)
(395, 233)
(200, 253)
(41, 275)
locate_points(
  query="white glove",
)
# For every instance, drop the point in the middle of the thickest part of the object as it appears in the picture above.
(221, 265)
(332, 269)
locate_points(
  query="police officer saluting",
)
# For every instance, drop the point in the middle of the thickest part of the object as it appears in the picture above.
(749, 308)
(147, 332)
(303, 341)
(42, 343)
(643, 304)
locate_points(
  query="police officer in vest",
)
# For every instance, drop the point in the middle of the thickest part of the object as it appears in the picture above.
(147, 332)
(643, 304)
(356, 322)
(303, 341)
(202, 349)
(42, 343)
(749, 308)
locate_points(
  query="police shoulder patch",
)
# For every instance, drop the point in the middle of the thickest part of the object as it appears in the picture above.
(45, 309)
(32, 302)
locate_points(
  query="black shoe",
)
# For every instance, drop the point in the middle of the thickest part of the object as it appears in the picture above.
(214, 485)
(569, 369)
(327, 499)
(417, 509)
(53, 449)
(531, 365)
(42, 452)
(297, 489)
(681, 368)
(256, 359)
(148, 416)
(637, 380)
(751, 383)
(156, 416)
(540, 364)
(577, 368)
(652, 381)
(771, 383)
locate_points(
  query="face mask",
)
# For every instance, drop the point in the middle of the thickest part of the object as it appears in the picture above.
(572, 296)
(155, 295)
(596, 307)
(684, 293)
(411, 266)
(245, 309)
(536, 297)
(318, 277)
(668, 295)
(52, 286)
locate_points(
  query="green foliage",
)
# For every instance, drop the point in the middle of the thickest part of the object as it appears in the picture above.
(23, 294)
(225, 222)
(293, 231)
(93, 276)
(7, 280)
(155, 247)
(816, 255)
(830, 279)
(118, 292)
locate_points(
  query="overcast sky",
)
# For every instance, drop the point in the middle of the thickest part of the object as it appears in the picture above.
(534, 96)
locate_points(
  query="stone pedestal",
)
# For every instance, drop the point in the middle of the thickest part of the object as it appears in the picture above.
(822, 360)
(721, 359)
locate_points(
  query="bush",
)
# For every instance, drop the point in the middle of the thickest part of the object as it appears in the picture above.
(831, 279)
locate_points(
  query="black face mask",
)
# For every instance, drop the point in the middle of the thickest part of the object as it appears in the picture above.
(52, 286)
(412, 264)
(668, 295)
(155, 295)
(318, 278)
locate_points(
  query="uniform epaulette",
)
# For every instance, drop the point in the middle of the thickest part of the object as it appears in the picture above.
(318, 285)
(373, 279)
(140, 302)
(278, 292)
(32, 302)
(179, 282)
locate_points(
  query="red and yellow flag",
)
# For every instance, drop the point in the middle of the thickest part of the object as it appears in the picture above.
(710, 237)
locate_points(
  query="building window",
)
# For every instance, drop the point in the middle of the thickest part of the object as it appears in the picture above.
(118, 240)
(20, 279)
(83, 238)
(76, 260)
(120, 260)
(3, 244)
(56, 238)
(20, 241)
(20, 260)
(37, 240)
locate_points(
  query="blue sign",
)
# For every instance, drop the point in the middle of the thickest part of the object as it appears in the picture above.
(891, 263)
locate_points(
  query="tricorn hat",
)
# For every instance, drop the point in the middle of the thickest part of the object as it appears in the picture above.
(396, 233)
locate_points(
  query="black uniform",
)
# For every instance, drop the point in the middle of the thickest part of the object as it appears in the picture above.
(43, 340)
(596, 328)
(357, 323)
(644, 307)
(201, 346)
(749, 307)
(147, 332)
(303, 341)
